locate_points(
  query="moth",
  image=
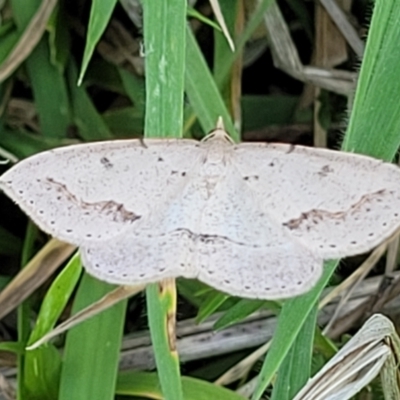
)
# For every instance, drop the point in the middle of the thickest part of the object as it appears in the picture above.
(254, 220)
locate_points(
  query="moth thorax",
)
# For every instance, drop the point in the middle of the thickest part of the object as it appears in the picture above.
(214, 164)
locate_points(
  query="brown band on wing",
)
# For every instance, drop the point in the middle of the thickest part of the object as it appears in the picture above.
(109, 207)
(318, 215)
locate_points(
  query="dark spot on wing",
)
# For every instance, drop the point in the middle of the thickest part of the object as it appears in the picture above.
(325, 170)
(106, 162)
(251, 178)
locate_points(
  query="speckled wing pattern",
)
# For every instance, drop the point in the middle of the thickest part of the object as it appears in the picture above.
(337, 204)
(254, 220)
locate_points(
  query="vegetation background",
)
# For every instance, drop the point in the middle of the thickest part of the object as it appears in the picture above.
(84, 71)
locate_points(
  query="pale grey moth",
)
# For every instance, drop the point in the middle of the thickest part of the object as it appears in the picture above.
(252, 219)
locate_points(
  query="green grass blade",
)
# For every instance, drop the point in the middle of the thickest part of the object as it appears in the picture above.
(134, 88)
(88, 120)
(147, 385)
(48, 84)
(164, 46)
(296, 368)
(43, 365)
(291, 319)
(237, 313)
(161, 308)
(56, 299)
(125, 122)
(202, 91)
(22, 144)
(8, 39)
(211, 304)
(100, 14)
(374, 125)
(24, 312)
(92, 350)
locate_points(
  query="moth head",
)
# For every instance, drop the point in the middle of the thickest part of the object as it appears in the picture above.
(218, 133)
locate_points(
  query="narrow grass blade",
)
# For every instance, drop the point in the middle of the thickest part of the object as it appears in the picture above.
(161, 307)
(100, 14)
(23, 315)
(202, 91)
(90, 123)
(237, 313)
(374, 124)
(211, 304)
(43, 365)
(91, 355)
(296, 369)
(48, 84)
(56, 299)
(164, 45)
(291, 319)
(147, 385)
